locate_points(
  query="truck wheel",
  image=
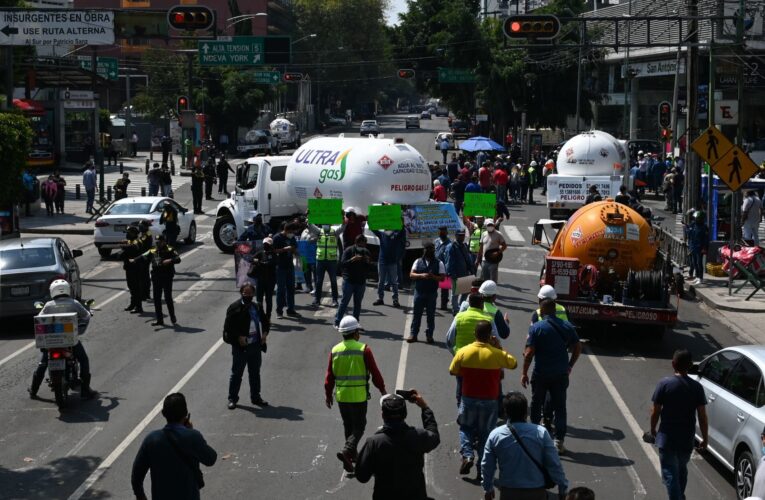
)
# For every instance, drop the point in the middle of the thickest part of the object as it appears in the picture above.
(656, 333)
(224, 233)
(104, 252)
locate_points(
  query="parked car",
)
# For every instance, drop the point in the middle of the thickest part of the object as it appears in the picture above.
(733, 384)
(369, 127)
(440, 137)
(425, 115)
(259, 141)
(336, 121)
(412, 121)
(460, 128)
(28, 267)
(111, 227)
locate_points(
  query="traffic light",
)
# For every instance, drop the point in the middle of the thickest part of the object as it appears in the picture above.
(666, 134)
(293, 77)
(665, 114)
(406, 74)
(190, 18)
(539, 27)
(182, 104)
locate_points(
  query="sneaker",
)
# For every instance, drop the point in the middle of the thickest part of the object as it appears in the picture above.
(313, 292)
(410, 339)
(280, 315)
(378, 302)
(231, 405)
(345, 458)
(559, 446)
(697, 281)
(466, 465)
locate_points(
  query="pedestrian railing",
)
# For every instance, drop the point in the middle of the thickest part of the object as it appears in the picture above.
(671, 249)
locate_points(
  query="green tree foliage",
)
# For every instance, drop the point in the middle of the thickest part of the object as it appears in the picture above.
(167, 80)
(15, 141)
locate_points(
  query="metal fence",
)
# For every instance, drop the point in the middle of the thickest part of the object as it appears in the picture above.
(672, 250)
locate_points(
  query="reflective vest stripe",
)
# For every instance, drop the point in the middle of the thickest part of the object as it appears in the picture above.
(560, 313)
(348, 353)
(326, 247)
(351, 377)
(475, 239)
(350, 371)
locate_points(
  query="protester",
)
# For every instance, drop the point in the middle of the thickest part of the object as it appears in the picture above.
(387, 264)
(285, 248)
(354, 264)
(264, 271)
(442, 247)
(459, 264)
(492, 245)
(427, 272)
(439, 191)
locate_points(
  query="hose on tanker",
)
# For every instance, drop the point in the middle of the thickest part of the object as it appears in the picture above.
(646, 285)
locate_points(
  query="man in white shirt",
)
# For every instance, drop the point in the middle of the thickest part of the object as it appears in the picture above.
(751, 214)
(426, 272)
(490, 252)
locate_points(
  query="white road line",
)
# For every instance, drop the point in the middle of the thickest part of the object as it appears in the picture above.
(637, 485)
(120, 449)
(16, 353)
(649, 450)
(524, 272)
(513, 234)
(401, 373)
(531, 230)
(85, 439)
(110, 299)
(205, 281)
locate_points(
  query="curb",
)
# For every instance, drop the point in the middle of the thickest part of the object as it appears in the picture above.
(53, 230)
(721, 307)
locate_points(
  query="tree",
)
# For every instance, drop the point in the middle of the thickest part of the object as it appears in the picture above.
(15, 142)
(167, 77)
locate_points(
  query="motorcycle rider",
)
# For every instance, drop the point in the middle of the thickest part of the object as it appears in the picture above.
(61, 303)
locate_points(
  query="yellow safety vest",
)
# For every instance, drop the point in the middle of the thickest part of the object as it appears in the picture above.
(560, 313)
(351, 376)
(490, 309)
(326, 247)
(466, 321)
(475, 239)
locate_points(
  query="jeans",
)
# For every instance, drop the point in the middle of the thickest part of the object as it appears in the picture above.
(674, 471)
(750, 233)
(456, 297)
(309, 270)
(350, 290)
(153, 189)
(502, 192)
(426, 302)
(91, 194)
(249, 356)
(556, 385)
(285, 288)
(490, 271)
(476, 418)
(388, 273)
(354, 417)
(330, 267)
(697, 264)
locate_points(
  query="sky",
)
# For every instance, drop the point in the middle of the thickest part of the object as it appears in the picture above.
(396, 6)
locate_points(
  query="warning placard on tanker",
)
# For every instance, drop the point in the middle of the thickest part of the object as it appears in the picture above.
(480, 204)
(325, 211)
(422, 221)
(384, 217)
(572, 190)
(49, 28)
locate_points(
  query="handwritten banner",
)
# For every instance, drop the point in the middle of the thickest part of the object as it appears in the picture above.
(384, 217)
(325, 211)
(480, 204)
(423, 221)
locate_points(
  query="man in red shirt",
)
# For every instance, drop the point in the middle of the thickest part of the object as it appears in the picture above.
(439, 192)
(354, 226)
(484, 177)
(500, 180)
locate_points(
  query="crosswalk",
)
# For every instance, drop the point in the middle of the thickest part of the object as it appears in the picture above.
(137, 183)
(518, 234)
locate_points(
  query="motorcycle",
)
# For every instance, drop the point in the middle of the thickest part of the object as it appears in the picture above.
(63, 368)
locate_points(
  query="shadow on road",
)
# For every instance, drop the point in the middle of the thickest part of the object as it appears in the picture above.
(46, 482)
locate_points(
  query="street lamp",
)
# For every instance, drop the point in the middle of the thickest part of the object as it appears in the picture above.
(244, 17)
(312, 35)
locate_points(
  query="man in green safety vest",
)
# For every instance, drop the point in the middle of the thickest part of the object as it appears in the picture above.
(548, 292)
(351, 363)
(476, 231)
(326, 259)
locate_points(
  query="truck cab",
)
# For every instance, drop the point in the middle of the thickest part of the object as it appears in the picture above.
(260, 189)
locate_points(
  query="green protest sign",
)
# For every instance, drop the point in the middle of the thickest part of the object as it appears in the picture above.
(384, 217)
(325, 211)
(480, 204)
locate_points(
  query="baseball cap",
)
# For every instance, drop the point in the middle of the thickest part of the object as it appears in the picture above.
(393, 406)
(268, 241)
(489, 222)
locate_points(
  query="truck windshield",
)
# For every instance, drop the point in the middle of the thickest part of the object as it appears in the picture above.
(252, 176)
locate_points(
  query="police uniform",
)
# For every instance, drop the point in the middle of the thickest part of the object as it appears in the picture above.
(209, 172)
(162, 280)
(197, 181)
(169, 219)
(131, 251)
(147, 241)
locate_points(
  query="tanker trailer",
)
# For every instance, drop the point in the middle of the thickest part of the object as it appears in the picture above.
(603, 265)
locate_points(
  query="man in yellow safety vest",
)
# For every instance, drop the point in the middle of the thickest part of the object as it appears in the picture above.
(548, 292)
(326, 259)
(351, 363)
(476, 232)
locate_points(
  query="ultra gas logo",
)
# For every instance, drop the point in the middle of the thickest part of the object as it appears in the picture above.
(336, 161)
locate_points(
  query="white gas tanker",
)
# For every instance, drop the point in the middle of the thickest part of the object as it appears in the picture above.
(590, 158)
(360, 171)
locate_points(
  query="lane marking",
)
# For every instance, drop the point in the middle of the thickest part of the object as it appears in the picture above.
(16, 353)
(531, 230)
(637, 485)
(648, 449)
(524, 272)
(513, 234)
(85, 439)
(205, 281)
(401, 373)
(138, 429)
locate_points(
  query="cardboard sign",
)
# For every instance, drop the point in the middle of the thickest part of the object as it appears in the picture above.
(423, 221)
(325, 211)
(384, 218)
(480, 204)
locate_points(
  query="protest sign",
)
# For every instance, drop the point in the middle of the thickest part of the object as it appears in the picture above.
(480, 204)
(325, 211)
(385, 217)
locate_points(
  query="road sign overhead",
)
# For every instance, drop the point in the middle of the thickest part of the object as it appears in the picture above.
(455, 75)
(56, 27)
(234, 51)
(108, 67)
(266, 76)
(711, 145)
(735, 168)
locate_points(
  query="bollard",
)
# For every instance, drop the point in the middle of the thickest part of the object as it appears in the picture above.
(151, 154)
(172, 168)
(108, 193)
(143, 191)
(76, 191)
(122, 167)
(147, 165)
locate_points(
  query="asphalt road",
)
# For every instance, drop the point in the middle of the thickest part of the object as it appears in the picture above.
(288, 449)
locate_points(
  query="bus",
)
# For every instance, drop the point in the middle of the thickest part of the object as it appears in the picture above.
(42, 152)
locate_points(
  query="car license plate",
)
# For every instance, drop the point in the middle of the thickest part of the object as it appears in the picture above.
(120, 228)
(56, 364)
(19, 291)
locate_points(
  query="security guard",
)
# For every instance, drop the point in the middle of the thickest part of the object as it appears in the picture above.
(169, 218)
(210, 179)
(162, 259)
(131, 249)
(197, 182)
(147, 241)
(548, 292)
(350, 365)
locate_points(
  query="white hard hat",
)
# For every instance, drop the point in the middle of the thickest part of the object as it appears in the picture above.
(268, 241)
(533, 164)
(641, 152)
(351, 210)
(489, 222)
(488, 288)
(60, 287)
(348, 324)
(547, 292)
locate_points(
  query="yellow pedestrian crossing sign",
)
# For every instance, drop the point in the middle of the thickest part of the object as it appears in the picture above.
(735, 168)
(712, 145)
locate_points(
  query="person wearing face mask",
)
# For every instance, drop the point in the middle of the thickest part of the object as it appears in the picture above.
(264, 272)
(246, 329)
(459, 263)
(387, 264)
(426, 272)
(476, 230)
(490, 252)
(354, 264)
(442, 244)
(326, 259)
(758, 487)
(353, 226)
(285, 247)
(162, 258)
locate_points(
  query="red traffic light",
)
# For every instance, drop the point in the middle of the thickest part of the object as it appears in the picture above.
(190, 18)
(182, 104)
(665, 114)
(293, 77)
(539, 27)
(406, 74)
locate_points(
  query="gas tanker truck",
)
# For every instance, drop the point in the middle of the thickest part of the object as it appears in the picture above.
(590, 158)
(360, 171)
(604, 265)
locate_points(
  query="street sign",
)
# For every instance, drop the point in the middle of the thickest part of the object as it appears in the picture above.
(455, 75)
(711, 145)
(76, 95)
(231, 51)
(267, 76)
(726, 112)
(50, 28)
(108, 67)
(735, 168)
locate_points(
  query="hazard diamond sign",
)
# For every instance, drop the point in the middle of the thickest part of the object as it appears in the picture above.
(711, 145)
(735, 168)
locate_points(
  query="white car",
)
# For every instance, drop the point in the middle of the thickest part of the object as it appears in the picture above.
(111, 227)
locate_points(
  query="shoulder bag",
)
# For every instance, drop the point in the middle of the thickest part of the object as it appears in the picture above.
(195, 471)
(549, 483)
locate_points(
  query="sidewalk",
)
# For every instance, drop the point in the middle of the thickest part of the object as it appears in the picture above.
(742, 317)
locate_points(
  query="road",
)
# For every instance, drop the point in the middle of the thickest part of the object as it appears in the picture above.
(287, 450)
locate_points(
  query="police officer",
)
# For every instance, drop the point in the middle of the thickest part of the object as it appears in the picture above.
(147, 241)
(131, 249)
(222, 170)
(197, 181)
(169, 218)
(426, 273)
(162, 259)
(209, 173)
(350, 365)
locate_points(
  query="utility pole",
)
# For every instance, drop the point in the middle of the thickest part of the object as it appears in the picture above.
(675, 98)
(710, 123)
(98, 158)
(735, 199)
(579, 75)
(126, 141)
(692, 186)
(627, 76)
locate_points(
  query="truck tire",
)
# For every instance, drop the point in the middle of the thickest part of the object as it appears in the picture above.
(224, 233)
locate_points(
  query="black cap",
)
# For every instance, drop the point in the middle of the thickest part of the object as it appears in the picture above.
(393, 407)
